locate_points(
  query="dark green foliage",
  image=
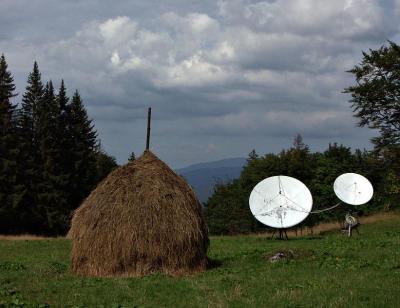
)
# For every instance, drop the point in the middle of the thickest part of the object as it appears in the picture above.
(65, 140)
(53, 187)
(28, 118)
(7, 86)
(83, 151)
(376, 103)
(337, 159)
(252, 155)
(104, 164)
(29, 216)
(49, 156)
(376, 98)
(227, 210)
(132, 157)
(298, 143)
(8, 146)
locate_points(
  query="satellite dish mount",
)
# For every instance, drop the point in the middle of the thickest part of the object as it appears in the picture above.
(282, 202)
(281, 234)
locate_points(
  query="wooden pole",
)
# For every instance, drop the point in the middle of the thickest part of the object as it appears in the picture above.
(148, 129)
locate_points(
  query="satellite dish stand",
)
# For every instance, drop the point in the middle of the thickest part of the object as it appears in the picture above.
(282, 202)
(350, 223)
(281, 234)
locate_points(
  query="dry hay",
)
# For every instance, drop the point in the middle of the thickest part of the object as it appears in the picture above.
(143, 218)
(25, 237)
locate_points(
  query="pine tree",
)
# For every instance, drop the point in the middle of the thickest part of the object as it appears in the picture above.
(56, 161)
(252, 156)
(8, 148)
(298, 143)
(52, 196)
(132, 157)
(7, 86)
(63, 135)
(28, 118)
(28, 173)
(83, 148)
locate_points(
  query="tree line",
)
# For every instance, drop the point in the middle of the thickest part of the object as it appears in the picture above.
(227, 210)
(50, 156)
(375, 101)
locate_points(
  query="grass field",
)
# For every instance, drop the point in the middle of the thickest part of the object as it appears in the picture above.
(328, 270)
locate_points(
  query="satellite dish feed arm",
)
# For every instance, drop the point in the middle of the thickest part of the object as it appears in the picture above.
(327, 209)
(314, 212)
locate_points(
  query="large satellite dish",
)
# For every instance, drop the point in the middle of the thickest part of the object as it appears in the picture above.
(280, 201)
(353, 189)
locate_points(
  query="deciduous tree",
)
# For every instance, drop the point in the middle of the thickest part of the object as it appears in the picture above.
(375, 98)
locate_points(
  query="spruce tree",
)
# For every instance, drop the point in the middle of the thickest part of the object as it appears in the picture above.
(8, 148)
(28, 173)
(132, 157)
(63, 135)
(52, 196)
(28, 118)
(83, 147)
(56, 161)
(7, 86)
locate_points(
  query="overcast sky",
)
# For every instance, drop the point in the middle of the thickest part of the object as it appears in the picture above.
(222, 77)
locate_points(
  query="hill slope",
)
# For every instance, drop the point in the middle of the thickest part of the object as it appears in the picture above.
(203, 177)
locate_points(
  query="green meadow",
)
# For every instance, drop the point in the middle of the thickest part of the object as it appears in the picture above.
(327, 270)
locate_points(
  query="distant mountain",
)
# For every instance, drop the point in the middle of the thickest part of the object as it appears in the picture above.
(202, 177)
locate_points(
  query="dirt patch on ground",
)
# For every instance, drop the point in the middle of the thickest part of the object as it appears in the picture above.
(379, 217)
(331, 226)
(23, 237)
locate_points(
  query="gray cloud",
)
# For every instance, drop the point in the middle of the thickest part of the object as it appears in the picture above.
(222, 77)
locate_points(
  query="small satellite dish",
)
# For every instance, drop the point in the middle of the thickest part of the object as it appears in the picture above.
(353, 188)
(280, 201)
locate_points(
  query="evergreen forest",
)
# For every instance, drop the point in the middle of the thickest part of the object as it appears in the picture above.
(50, 155)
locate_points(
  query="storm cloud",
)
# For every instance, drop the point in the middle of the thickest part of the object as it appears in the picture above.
(222, 77)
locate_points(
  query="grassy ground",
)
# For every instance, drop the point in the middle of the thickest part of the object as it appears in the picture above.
(328, 270)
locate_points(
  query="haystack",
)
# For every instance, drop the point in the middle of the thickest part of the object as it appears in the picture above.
(143, 218)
